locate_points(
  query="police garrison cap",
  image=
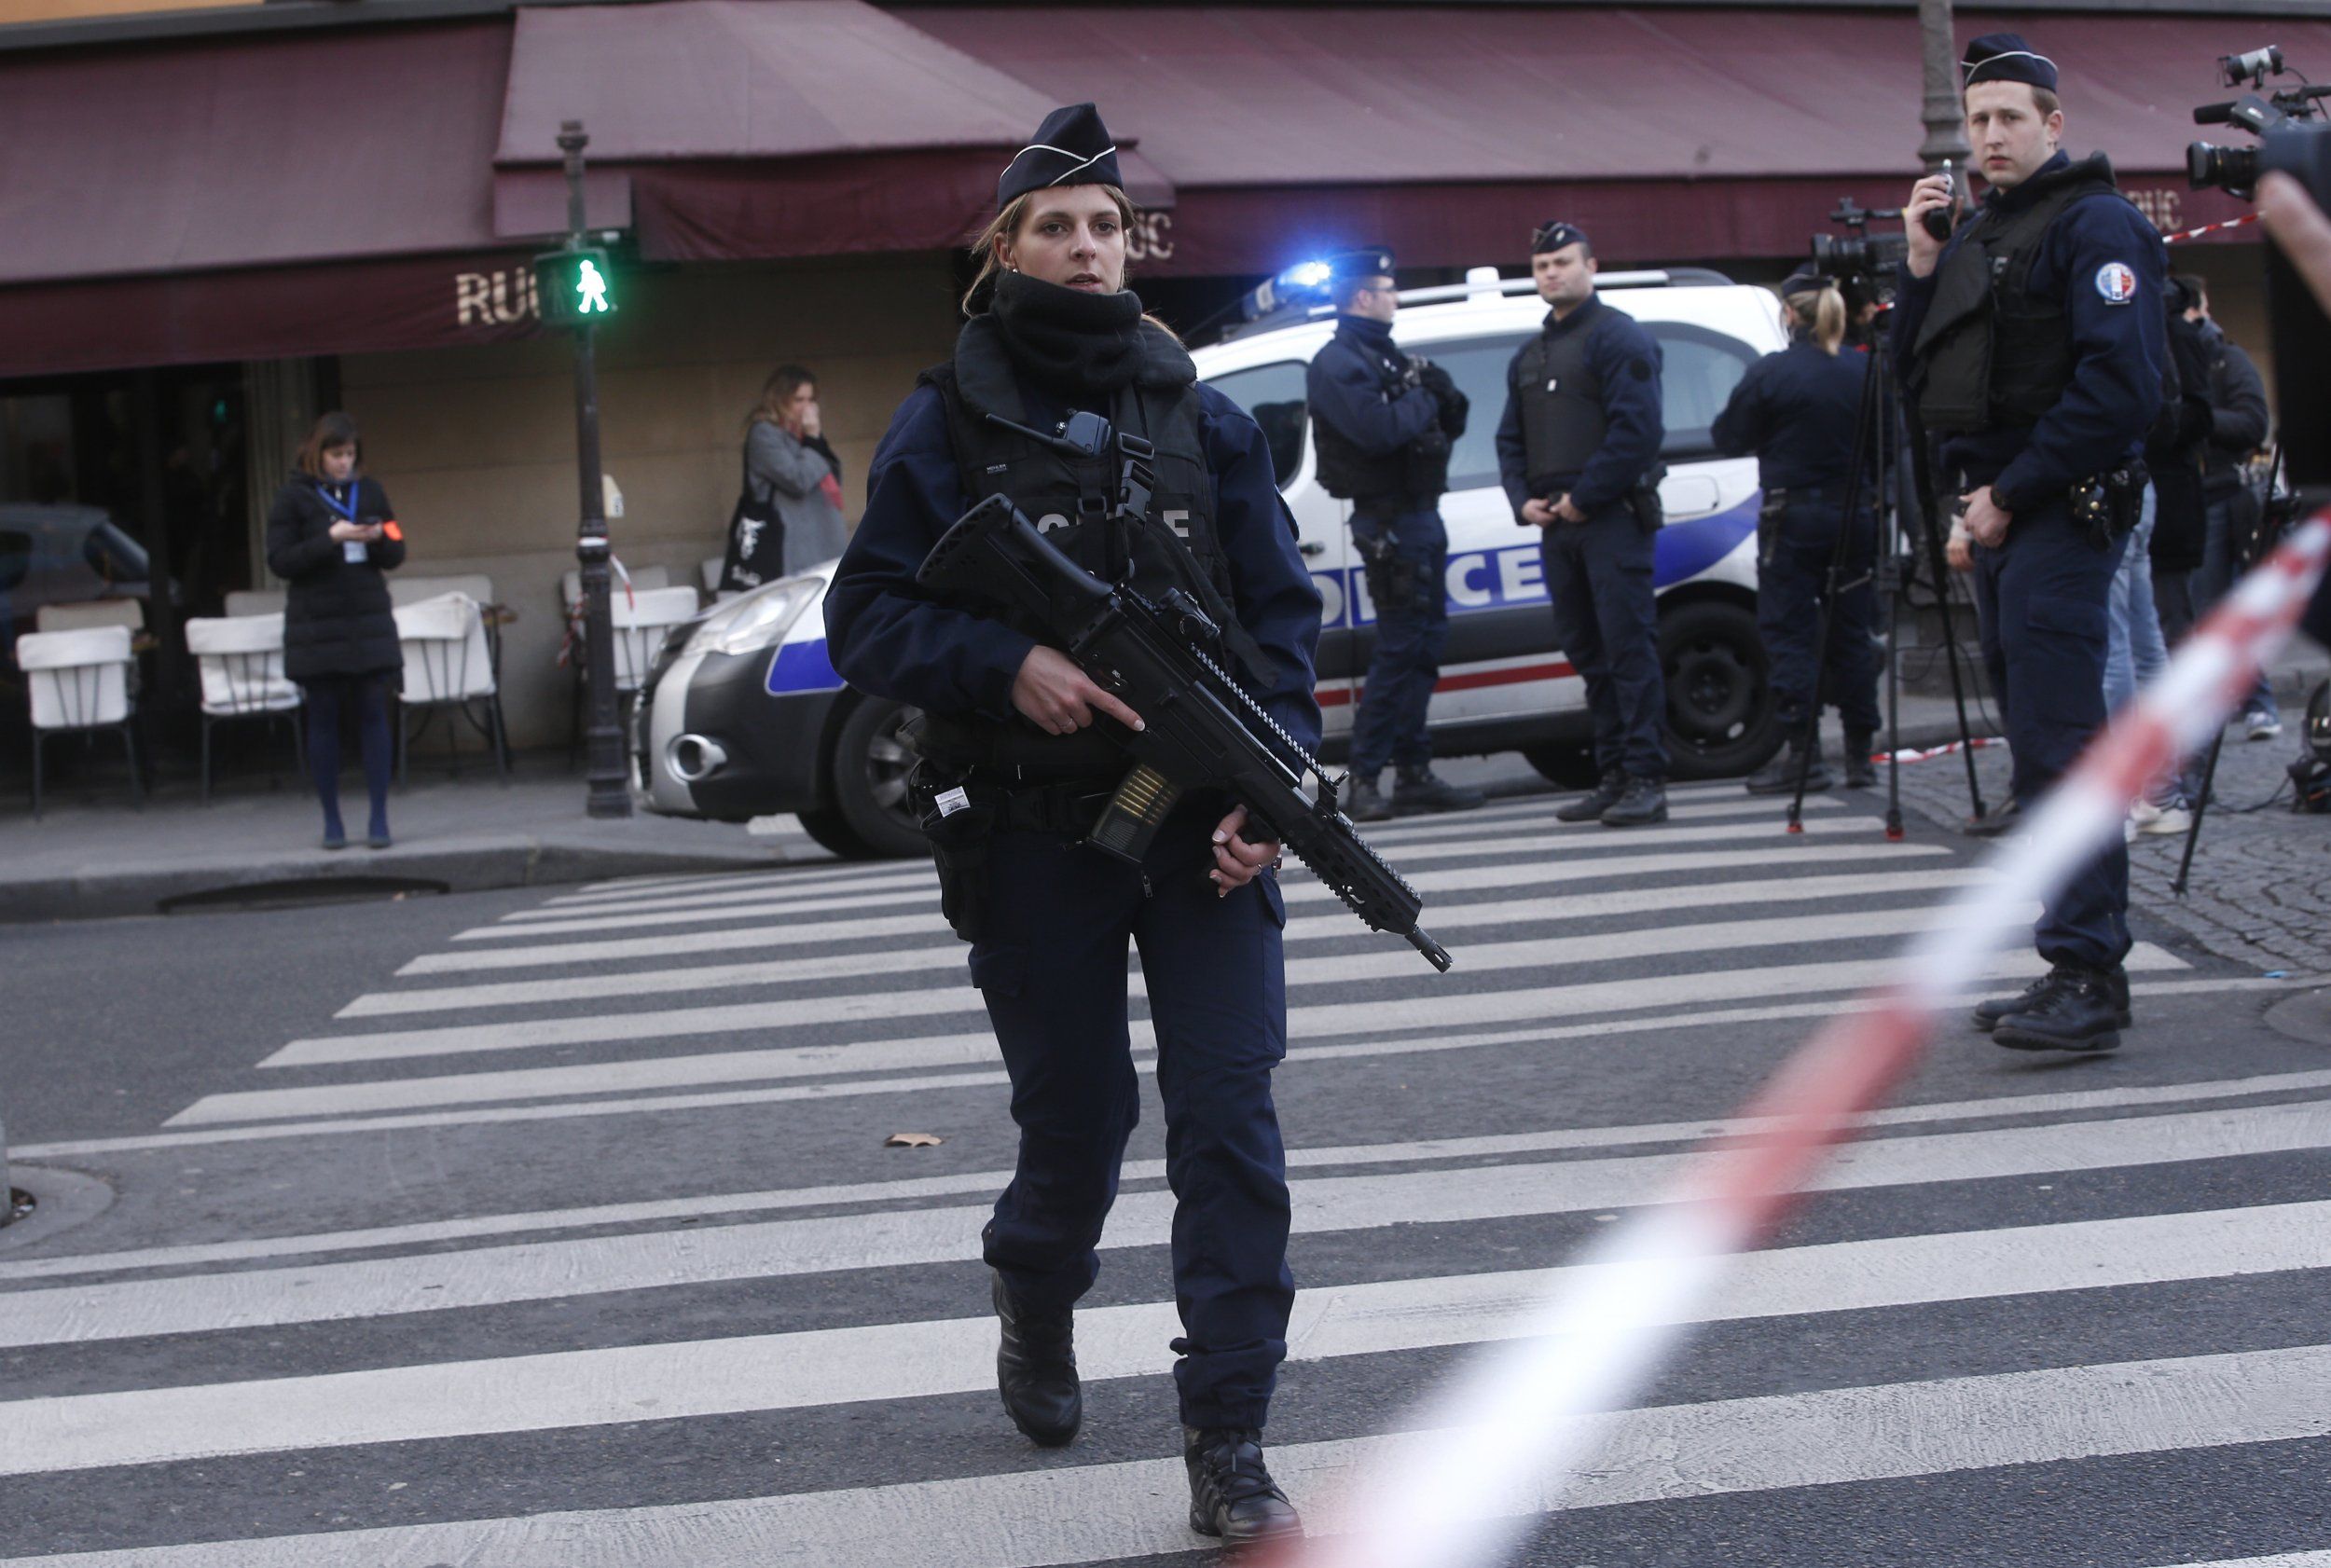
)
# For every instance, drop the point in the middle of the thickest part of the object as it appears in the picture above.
(1555, 234)
(2005, 57)
(1072, 147)
(1370, 261)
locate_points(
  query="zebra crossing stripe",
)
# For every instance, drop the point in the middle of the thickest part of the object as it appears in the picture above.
(916, 1360)
(1091, 1513)
(1330, 1019)
(1470, 879)
(187, 1255)
(1615, 866)
(1535, 952)
(535, 1270)
(888, 878)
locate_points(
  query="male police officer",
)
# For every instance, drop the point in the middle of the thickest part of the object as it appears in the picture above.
(1383, 424)
(2033, 341)
(1576, 449)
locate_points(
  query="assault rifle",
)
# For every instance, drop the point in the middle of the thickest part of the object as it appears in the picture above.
(1201, 730)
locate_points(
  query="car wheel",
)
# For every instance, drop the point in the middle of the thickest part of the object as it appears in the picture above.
(830, 831)
(1719, 702)
(1569, 764)
(869, 768)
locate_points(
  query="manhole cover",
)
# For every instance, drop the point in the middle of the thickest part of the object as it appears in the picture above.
(2304, 1018)
(299, 892)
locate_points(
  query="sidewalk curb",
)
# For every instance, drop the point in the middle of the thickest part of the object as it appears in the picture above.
(468, 869)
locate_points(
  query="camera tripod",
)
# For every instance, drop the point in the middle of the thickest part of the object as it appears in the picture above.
(1873, 479)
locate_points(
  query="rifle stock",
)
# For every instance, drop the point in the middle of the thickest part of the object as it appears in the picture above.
(1200, 728)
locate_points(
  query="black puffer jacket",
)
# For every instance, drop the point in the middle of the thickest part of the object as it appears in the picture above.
(336, 619)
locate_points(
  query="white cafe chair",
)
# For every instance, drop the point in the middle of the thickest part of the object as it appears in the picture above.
(642, 621)
(240, 661)
(79, 681)
(129, 613)
(448, 667)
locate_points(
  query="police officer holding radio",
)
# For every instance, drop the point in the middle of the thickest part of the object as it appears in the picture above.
(1016, 768)
(1797, 412)
(1578, 449)
(2033, 343)
(1383, 424)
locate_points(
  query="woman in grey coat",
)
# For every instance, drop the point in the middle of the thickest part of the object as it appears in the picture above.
(790, 517)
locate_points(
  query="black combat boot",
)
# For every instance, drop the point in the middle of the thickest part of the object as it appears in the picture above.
(1779, 776)
(1232, 1493)
(1362, 804)
(1418, 791)
(1988, 1015)
(2080, 1013)
(1036, 1369)
(1586, 808)
(1860, 772)
(1644, 802)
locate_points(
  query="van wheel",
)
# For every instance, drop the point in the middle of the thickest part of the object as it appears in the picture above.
(1568, 765)
(1719, 701)
(869, 768)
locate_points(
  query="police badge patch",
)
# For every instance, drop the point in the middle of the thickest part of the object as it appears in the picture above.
(2117, 281)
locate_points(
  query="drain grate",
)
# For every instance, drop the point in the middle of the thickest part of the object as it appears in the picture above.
(300, 892)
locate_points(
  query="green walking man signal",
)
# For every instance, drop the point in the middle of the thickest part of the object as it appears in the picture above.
(573, 288)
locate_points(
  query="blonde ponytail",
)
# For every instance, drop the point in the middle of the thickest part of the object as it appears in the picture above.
(1821, 313)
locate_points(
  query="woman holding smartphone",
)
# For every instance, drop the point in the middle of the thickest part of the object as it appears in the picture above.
(330, 536)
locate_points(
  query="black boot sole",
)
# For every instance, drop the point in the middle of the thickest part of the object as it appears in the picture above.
(1045, 1436)
(2015, 1038)
(1203, 1525)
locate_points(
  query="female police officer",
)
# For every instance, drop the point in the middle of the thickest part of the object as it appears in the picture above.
(1797, 411)
(1011, 723)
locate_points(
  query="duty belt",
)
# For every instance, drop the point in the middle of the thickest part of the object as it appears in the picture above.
(1062, 807)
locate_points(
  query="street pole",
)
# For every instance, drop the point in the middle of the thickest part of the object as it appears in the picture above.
(1946, 131)
(610, 790)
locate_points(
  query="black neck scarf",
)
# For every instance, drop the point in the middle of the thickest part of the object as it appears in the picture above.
(1069, 340)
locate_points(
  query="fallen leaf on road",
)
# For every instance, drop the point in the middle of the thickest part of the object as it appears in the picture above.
(913, 1140)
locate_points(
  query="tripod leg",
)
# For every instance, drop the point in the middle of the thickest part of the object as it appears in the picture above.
(2193, 829)
(1939, 568)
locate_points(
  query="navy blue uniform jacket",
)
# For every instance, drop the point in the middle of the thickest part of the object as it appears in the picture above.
(1347, 393)
(887, 636)
(2119, 349)
(1796, 411)
(1626, 362)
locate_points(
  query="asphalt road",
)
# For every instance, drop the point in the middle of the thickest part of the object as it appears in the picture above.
(558, 1230)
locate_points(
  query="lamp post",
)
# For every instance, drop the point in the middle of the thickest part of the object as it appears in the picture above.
(1946, 128)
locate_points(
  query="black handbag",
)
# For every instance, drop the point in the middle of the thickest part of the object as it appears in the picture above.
(756, 539)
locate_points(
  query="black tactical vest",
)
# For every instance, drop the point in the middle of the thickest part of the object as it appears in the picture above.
(1990, 353)
(1068, 499)
(1345, 472)
(1562, 406)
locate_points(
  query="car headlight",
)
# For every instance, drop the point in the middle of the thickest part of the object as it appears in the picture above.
(756, 620)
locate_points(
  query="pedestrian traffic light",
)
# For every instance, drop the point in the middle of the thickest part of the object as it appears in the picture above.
(573, 288)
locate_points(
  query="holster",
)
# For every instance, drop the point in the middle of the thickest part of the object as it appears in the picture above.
(2108, 506)
(1391, 576)
(1768, 525)
(961, 813)
(1644, 501)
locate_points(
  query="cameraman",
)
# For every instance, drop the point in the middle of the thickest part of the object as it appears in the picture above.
(1383, 424)
(1797, 412)
(2299, 227)
(2031, 343)
(1578, 450)
(2238, 427)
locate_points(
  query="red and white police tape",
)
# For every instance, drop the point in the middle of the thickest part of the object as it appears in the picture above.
(1500, 1444)
(2209, 228)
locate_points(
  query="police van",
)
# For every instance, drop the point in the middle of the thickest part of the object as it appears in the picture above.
(743, 714)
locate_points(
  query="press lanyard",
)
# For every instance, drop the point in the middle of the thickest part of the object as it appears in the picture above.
(355, 493)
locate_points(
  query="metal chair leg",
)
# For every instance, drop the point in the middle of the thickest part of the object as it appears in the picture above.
(37, 745)
(137, 776)
(206, 759)
(501, 737)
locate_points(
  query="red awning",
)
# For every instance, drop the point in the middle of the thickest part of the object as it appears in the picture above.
(287, 194)
(1667, 133)
(752, 129)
